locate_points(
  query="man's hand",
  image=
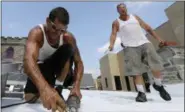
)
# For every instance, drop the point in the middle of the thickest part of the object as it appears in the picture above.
(51, 99)
(111, 48)
(76, 91)
(161, 42)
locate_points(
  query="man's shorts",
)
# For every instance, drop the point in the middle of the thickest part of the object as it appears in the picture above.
(139, 59)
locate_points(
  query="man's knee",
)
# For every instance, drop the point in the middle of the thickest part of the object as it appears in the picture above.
(67, 49)
(69, 80)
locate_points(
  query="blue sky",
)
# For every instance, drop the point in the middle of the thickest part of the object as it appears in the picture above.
(90, 22)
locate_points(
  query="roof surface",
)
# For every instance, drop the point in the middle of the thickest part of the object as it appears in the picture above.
(114, 101)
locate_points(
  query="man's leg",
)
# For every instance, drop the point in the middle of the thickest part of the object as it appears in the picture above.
(157, 77)
(62, 60)
(155, 64)
(146, 81)
(139, 83)
(51, 66)
(64, 71)
(135, 68)
(67, 74)
(30, 91)
(65, 78)
(141, 97)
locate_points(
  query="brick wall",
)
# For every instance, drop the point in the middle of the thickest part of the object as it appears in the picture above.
(173, 62)
(18, 45)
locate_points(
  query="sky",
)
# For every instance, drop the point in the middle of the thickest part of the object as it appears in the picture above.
(90, 22)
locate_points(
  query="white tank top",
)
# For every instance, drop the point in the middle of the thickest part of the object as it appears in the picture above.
(130, 32)
(46, 50)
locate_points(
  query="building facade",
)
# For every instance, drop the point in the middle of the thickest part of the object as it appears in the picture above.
(110, 77)
(87, 81)
(12, 49)
(173, 29)
(98, 83)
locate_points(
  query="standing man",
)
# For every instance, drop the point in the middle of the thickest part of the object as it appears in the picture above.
(129, 27)
(49, 55)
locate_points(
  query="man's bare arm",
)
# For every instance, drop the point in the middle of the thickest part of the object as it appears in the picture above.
(148, 28)
(79, 67)
(30, 58)
(115, 28)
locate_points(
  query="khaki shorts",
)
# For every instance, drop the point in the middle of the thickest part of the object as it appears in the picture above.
(139, 59)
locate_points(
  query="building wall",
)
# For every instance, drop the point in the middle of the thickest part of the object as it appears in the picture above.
(173, 29)
(87, 80)
(173, 62)
(121, 67)
(98, 83)
(18, 45)
(165, 32)
(13, 39)
(105, 73)
(18, 51)
(175, 14)
(109, 68)
(114, 69)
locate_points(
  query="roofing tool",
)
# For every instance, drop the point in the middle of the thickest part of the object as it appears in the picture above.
(73, 103)
(167, 43)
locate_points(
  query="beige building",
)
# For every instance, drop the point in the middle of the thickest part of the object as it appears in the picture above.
(110, 77)
(98, 84)
(113, 74)
(173, 29)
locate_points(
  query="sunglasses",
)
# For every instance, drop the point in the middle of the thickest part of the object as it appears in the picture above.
(53, 25)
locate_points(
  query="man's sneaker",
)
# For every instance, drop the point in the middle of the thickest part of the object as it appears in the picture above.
(141, 97)
(163, 93)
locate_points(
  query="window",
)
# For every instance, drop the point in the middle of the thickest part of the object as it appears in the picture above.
(9, 53)
(178, 52)
(106, 82)
(117, 82)
(166, 64)
(127, 83)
